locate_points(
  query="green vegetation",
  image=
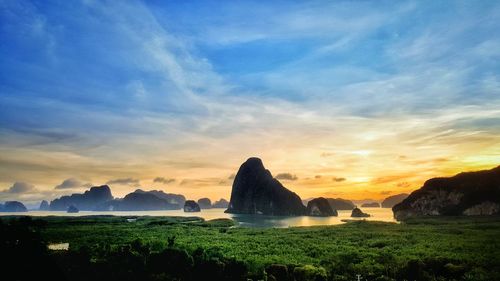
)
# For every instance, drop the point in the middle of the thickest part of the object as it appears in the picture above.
(175, 248)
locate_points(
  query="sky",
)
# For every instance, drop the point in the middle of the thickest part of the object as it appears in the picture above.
(351, 99)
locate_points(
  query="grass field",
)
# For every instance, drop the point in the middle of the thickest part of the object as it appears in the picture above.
(422, 249)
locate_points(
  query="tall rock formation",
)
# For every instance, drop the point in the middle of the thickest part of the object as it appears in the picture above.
(255, 191)
(44, 206)
(471, 193)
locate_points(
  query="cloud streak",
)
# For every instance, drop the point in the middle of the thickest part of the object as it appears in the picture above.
(72, 183)
(164, 180)
(286, 176)
(19, 187)
(125, 181)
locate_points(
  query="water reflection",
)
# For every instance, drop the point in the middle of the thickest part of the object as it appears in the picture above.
(377, 214)
(58, 246)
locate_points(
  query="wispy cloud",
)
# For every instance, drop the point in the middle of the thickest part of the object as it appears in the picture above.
(286, 176)
(338, 179)
(19, 187)
(164, 180)
(125, 181)
(72, 183)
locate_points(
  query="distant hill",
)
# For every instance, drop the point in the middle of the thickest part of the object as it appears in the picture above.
(13, 206)
(99, 198)
(390, 201)
(171, 198)
(340, 204)
(371, 205)
(471, 193)
(84, 202)
(139, 201)
(222, 203)
(205, 203)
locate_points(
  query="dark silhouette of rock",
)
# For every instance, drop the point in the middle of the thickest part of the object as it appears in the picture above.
(320, 207)
(371, 205)
(88, 201)
(72, 209)
(44, 206)
(340, 204)
(255, 191)
(13, 206)
(357, 213)
(222, 203)
(191, 206)
(138, 201)
(205, 203)
(171, 198)
(471, 193)
(391, 201)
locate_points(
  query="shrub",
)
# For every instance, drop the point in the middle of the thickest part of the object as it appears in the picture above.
(309, 273)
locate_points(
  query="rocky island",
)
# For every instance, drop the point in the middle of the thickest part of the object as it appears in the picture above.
(205, 203)
(470, 193)
(84, 202)
(357, 213)
(221, 203)
(191, 206)
(256, 191)
(319, 207)
(13, 206)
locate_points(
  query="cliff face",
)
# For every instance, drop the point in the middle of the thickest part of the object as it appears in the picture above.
(472, 193)
(255, 191)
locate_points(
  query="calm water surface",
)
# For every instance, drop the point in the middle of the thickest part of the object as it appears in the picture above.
(377, 214)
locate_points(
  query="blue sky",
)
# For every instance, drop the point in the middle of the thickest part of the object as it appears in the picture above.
(140, 89)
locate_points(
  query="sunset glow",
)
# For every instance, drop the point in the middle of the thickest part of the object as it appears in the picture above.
(353, 101)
